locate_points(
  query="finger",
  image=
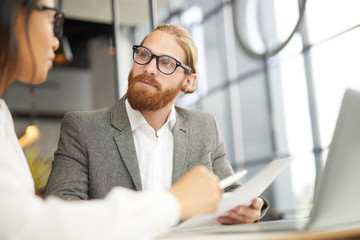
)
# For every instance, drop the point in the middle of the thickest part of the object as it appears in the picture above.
(247, 212)
(249, 217)
(228, 220)
(257, 203)
(234, 220)
(225, 220)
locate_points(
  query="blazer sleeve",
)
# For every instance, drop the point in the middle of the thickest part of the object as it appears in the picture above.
(69, 175)
(222, 167)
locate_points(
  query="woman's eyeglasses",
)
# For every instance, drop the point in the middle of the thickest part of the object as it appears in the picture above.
(58, 19)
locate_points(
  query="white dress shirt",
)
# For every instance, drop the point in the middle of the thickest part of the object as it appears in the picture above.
(154, 150)
(123, 214)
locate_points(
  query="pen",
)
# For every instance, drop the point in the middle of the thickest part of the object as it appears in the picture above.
(231, 179)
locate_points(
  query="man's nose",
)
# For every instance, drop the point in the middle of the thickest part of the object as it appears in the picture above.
(151, 67)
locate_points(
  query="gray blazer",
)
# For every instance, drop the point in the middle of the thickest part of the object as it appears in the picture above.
(96, 151)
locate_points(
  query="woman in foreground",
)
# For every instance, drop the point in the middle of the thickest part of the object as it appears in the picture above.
(29, 31)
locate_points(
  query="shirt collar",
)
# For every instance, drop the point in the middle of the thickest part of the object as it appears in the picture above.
(172, 117)
(136, 118)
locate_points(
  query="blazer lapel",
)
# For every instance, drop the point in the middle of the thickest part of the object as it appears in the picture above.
(125, 142)
(181, 133)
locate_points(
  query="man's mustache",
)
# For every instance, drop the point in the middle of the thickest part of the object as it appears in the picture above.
(146, 78)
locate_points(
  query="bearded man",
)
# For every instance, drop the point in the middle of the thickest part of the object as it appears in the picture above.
(144, 142)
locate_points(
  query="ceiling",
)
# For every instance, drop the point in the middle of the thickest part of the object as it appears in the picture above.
(132, 12)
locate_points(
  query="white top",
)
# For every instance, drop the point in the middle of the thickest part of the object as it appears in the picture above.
(123, 214)
(154, 150)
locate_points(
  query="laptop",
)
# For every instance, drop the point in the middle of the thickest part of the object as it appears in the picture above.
(337, 195)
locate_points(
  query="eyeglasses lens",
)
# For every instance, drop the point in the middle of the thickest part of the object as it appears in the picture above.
(165, 64)
(142, 55)
(58, 25)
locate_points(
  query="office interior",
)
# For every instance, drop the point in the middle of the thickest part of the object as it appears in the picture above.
(272, 72)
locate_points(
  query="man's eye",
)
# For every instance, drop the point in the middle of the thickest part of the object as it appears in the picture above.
(144, 55)
(167, 62)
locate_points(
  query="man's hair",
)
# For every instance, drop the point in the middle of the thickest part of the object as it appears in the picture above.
(9, 10)
(185, 40)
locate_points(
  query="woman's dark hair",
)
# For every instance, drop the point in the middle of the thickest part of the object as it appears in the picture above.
(9, 10)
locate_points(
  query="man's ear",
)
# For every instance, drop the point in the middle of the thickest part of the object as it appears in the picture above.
(189, 83)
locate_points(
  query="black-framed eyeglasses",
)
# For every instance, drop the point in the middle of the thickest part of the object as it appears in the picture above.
(58, 19)
(166, 64)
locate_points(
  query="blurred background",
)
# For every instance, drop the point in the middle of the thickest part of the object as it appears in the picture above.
(272, 72)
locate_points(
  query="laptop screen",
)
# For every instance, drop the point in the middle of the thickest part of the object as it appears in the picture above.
(338, 193)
